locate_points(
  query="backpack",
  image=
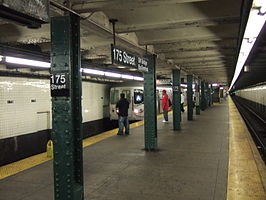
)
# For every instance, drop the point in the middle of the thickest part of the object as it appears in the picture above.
(170, 103)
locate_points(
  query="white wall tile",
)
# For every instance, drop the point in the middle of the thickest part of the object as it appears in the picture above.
(23, 116)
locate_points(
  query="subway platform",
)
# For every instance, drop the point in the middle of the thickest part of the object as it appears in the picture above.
(191, 164)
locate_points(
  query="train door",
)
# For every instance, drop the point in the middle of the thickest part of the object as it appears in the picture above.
(114, 98)
(127, 93)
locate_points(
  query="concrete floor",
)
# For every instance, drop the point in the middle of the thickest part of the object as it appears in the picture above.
(191, 165)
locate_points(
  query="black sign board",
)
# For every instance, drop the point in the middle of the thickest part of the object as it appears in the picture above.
(122, 57)
(59, 84)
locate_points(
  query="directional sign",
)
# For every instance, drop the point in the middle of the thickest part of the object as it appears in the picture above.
(125, 58)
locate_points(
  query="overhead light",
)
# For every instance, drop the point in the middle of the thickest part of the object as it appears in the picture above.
(127, 76)
(22, 61)
(246, 68)
(132, 69)
(93, 71)
(215, 84)
(137, 78)
(112, 74)
(121, 67)
(256, 21)
(183, 85)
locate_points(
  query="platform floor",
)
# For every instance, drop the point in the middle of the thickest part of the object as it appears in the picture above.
(191, 164)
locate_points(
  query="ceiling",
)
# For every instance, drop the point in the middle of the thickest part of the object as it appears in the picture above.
(197, 36)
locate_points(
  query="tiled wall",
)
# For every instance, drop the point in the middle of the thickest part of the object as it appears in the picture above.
(25, 105)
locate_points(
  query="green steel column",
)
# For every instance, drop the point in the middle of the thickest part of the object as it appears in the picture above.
(176, 99)
(66, 108)
(211, 95)
(150, 114)
(197, 94)
(207, 94)
(189, 97)
(202, 99)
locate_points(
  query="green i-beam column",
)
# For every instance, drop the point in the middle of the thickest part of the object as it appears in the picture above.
(211, 95)
(176, 99)
(207, 96)
(150, 113)
(66, 108)
(197, 94)
(202, 99)
(189, 97)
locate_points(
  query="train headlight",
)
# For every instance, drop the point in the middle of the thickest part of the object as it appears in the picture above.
(136, 111)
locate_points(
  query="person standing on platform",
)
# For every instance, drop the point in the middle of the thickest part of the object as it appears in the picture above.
(165, 106)
(122, 110)
(182, 102)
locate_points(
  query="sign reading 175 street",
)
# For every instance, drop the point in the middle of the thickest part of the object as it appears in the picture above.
(122, 57)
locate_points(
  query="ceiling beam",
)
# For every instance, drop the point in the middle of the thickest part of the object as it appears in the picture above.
(101, 5)
(177, 24)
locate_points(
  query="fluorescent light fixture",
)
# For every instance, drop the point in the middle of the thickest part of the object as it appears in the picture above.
(127, 76)
(132, 69)
(137, 78)
(22, 61)
(93, 71)
(121, 67)
(215, 84)
(256, 21)
(183, 85)
(112, 74)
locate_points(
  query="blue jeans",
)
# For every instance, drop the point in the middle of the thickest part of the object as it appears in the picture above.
(123, 122)
(165, 115)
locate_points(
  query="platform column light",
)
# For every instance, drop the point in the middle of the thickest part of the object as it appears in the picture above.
(189, 97)
(176, 101)
(203, 97)
(197, 95)
(150, 115)
(66, 108)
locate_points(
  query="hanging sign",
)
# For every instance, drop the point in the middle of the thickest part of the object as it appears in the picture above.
(124, 58)
(59, 84)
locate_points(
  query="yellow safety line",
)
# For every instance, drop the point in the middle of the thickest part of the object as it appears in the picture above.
(27, 163)
(246, 170)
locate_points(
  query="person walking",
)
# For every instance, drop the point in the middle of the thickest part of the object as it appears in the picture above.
(182, 102)
(122, 110)
(165, 106)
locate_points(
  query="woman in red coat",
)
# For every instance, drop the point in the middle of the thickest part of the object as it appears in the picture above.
(165, 106)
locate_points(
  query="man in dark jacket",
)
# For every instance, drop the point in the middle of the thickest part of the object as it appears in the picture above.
(122, 110)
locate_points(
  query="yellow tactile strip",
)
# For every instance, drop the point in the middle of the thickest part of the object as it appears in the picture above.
(246, 170)
(21, 165)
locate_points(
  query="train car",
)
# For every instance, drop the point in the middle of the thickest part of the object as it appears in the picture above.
(135, 96)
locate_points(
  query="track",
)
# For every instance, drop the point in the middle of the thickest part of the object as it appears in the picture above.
(255, 123)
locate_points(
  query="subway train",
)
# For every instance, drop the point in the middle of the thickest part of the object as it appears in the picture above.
(135, 96)
(256, 97)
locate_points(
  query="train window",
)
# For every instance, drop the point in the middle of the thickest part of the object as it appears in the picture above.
(138, 97)
(114, 96)
(127, 94)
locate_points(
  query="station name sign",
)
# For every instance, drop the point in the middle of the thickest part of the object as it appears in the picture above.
(59, 84)
(124, 58)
